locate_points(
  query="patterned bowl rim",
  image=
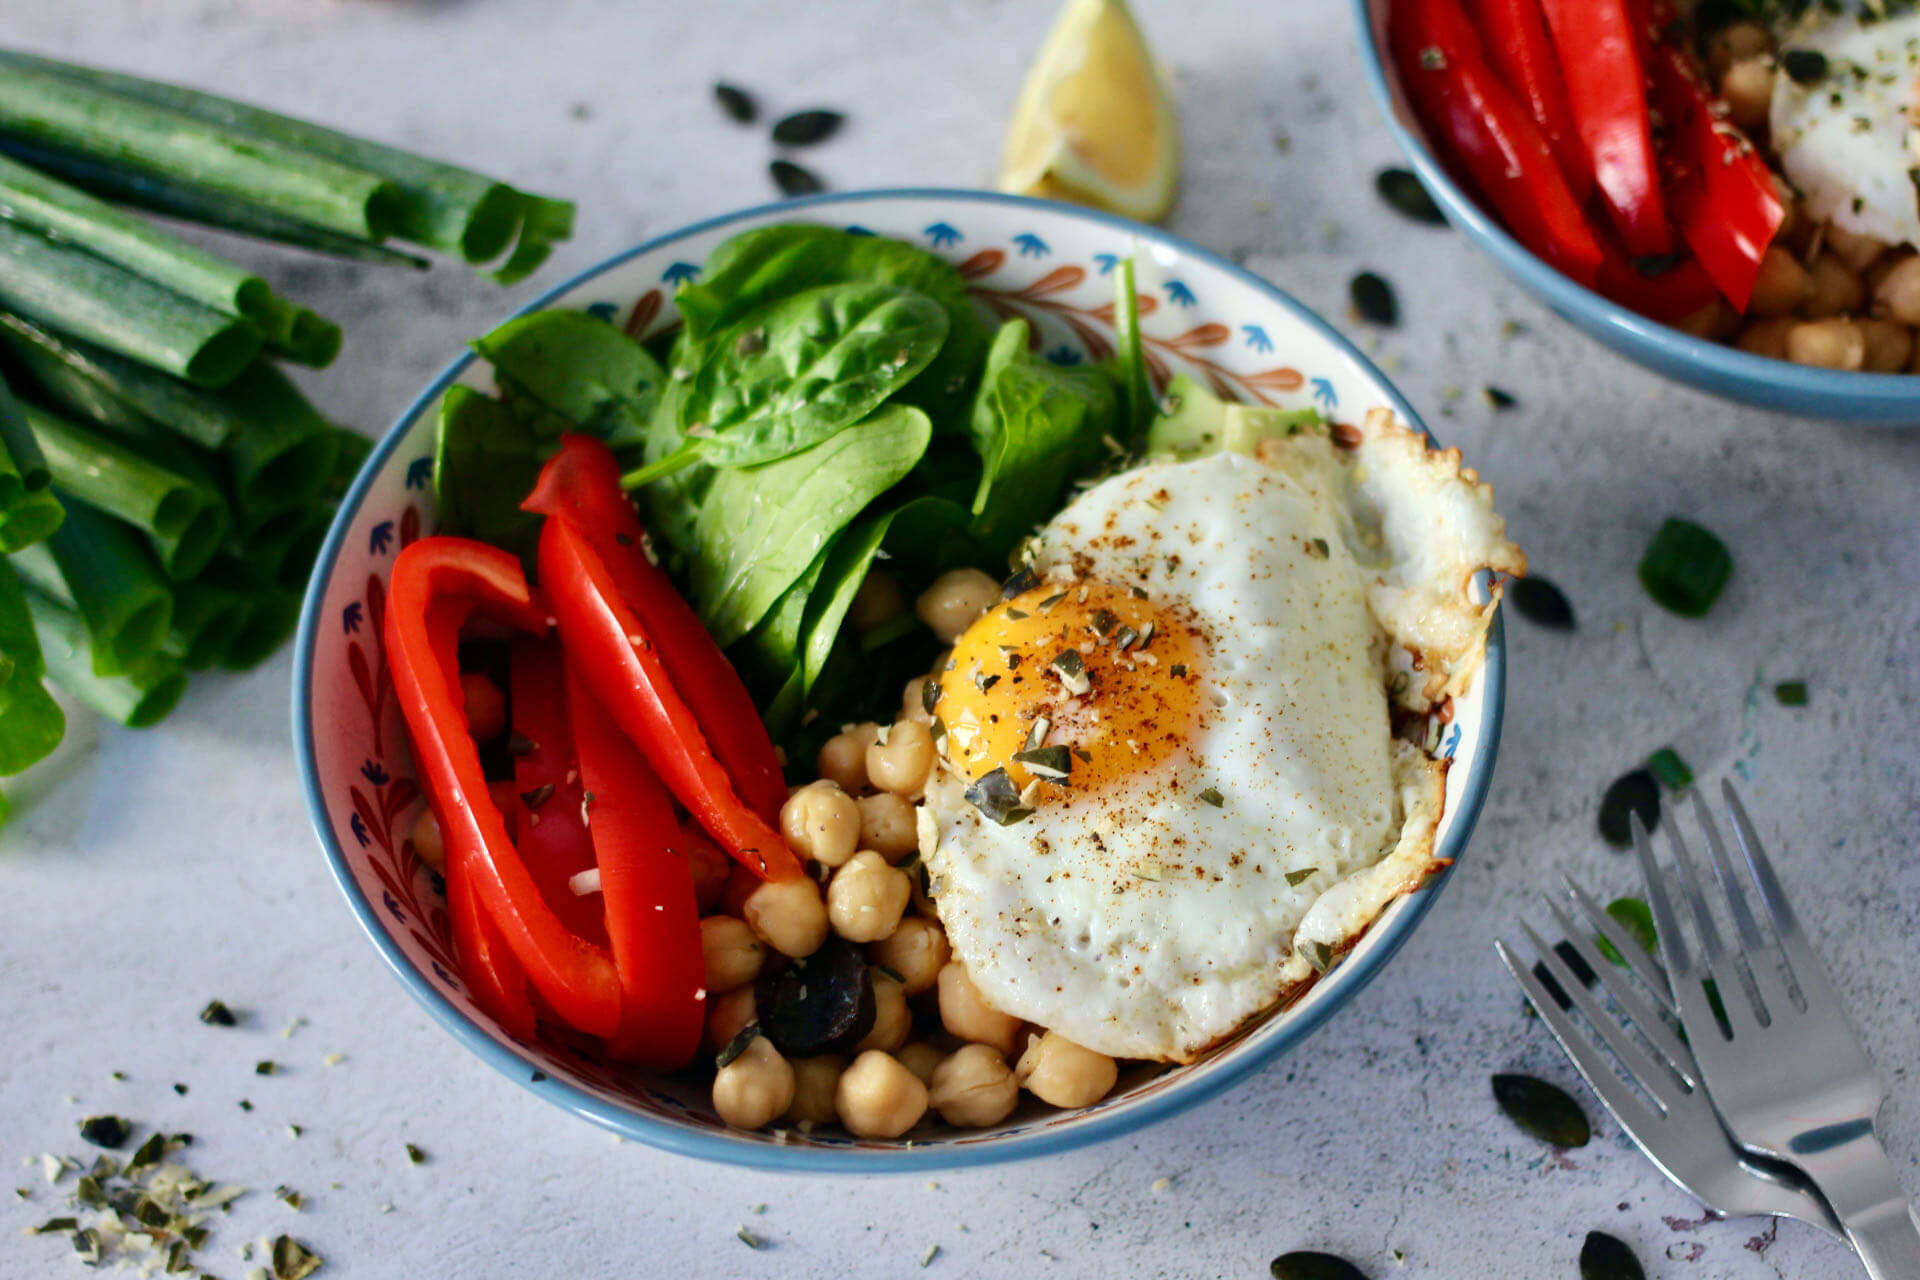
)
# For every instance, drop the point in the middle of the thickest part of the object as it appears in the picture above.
(1640, 338)
(1351, 976)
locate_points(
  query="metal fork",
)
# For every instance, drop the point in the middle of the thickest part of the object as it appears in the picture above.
(1680, 1132)
(1789, 1078)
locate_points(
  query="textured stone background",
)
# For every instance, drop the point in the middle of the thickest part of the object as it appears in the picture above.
(161, 869)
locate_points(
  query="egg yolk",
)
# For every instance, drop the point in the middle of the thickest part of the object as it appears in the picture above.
(1093, 667)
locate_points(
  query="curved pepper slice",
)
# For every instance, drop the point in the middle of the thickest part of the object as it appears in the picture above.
(1519, 48)
(620, 661)
(437, 583)
(550, 829)
(582, 484)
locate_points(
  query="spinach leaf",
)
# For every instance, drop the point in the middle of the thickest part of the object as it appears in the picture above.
(568, 371)
(794, 372)
(670, 502)
(1035, 426)
(918, 533)
(769, 654)
(758, 530)
(485, 463)
(31, 722)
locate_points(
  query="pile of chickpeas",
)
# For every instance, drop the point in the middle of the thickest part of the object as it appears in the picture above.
(936, 1044)
(1824, 296)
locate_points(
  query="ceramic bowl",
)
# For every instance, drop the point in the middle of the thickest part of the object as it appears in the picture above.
(1050, 263)
(1880, 399)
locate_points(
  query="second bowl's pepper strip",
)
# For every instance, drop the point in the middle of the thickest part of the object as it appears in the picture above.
(646, 885)
(582, 484)
(620, 661)
(551, 831)
(436, 584)
(1522, 53)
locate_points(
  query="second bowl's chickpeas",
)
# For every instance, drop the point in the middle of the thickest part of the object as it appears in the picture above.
(486, 706)
(974, 1088)
(821, 822)
(1056, 1070)
(788, 915)
(1836, 288)
(727, 1016)
(866, 898)
(1834, 343)
(842, 759)
(892, 1020)
(1889, 345)
(902, 762)
(1897, 296)
(755, 1088)
(966, 1013)
(887, 825)
(732, 951)
(954, 600)
(427, 841)
(922, 1059)
(1714, 321)
(1767, 337)
(878, 600)
(877, 1097)
(1857, 251)
(916, 950)
(1781, 285)
(1747, 89)
(814, 1082)
(1736, 42)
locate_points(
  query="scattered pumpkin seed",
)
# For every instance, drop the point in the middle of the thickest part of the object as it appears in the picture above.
(1791, 693)
(1673, 773)
(793, 180)
(1546, 1111)
(293, 1260)
(1054, 763)
(1373, 299)
(1407, 195)
(1212, 796)
(1633, 792)
(997, 799)
(803, 128)
(1497, 400)
(1603, 1257)
(1804, 66)
(110, 1132)
(1541, 603)
(1307, 1264)
(736, 102)
(1300, 877)
(736, 1046)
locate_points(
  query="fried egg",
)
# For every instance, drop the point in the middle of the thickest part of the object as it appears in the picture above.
(1847, 140)
(1169, 790)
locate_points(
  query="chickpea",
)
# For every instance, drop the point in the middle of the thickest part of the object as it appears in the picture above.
(1884, 266)
(1889, 345)
(877, 1097)
(916, 950)
(755, 1087)
(966, 1013)
(954, 600)
(1836, 288)
(788, 915)
(843, 758)
(887, 826)
(866, 898)
(878, 600)
(814, 1082)
(727, 1016)
(913, 703)
(1767, 337)
(902, 762)
(821, 822)
(1712, 322)
(1056, 1070)
(921, 1058)
(486, 706)
(1781, 285)
(892, 1020)
(1897, 297)
(974, 1088)
(1747, 89)
(1834, 343)
(1737, 42)
(732, 952)
(1857, 251)
(427, 841)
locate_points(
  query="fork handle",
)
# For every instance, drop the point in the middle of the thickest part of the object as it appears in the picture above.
(1859, 1182)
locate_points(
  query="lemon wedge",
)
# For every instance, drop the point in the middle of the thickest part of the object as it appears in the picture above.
(1094, 124)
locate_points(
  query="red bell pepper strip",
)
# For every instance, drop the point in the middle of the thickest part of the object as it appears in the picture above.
(1515, 37)
(1488, 133)
(1671, 295)
(647, 887)
(551, 829)
(582, 483)
(1718, 189)
(436, 584)
(494, 978)
(711, 866)
(1600, 56)
(620, 661)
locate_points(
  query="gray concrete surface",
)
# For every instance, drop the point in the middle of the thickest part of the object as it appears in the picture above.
(160, 869)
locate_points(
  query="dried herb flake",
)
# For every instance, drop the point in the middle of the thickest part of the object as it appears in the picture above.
(1211, 796)
(110, 1132)
(1297, 878)
(216, 1014)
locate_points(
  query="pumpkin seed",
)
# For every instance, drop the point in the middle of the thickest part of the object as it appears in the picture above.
(1305, 1264)
(1373, 299)
(1603, 1257)
(1408, 196)
(1498, 400)
(1804, 66)
(1546, 1111)
(1634, 792)
(803, 128)
(736, 102)
(1541, 603)
(793, 180)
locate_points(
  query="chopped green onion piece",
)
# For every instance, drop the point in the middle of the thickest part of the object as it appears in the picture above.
(300, 335)
(31, 722)
(1672, 771)
(125, 395)
(1791, 693)
(1685, 568)
(137, 699)
(97, 566)
(28, 510)
(281, 454)
(206, 618)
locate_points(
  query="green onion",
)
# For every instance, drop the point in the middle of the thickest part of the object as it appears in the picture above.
(1666, 765)
(64, 113)
(184, 516)
(89, 298)
(111, 389)
(31, 722)
(302, 336)
(28, 509)
(206, 618)
(1685, 568)
(141, 697)
(96, 566)
(271, 620)
(281, 456)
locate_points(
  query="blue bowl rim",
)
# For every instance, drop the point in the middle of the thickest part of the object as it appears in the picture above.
(1354, 975)
(1645, 340)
